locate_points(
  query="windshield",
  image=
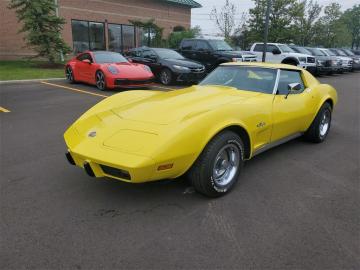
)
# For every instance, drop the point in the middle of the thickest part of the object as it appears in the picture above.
(255, 79)
(316, 52)
(349, 53)
(109, 57)
(341, 53)
(301, 50)
(285, 49)
(329, 52)
(220, 45)
(168, 54)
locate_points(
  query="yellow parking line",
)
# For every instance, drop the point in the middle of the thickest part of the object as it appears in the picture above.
(4, 110)
(76, 90)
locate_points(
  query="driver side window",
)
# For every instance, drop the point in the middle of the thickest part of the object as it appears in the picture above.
(287, 77)
(84, 56)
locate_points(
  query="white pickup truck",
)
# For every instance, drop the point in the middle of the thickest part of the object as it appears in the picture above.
(281, 53)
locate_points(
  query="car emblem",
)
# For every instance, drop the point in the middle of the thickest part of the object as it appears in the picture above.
(92, 134)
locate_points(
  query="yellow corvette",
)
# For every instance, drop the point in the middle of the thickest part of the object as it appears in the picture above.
(206, 131)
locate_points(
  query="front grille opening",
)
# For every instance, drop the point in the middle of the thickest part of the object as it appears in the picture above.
(116, 172)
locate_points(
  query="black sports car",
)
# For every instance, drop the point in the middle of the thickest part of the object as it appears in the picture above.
(168, 65)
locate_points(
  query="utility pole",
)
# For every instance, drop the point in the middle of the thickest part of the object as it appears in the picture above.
(266, 32)
(57, 15)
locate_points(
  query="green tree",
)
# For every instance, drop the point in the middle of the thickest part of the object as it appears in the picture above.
(304, 27)
(176, 36)
(351, 17)
(41, 27)
(281, 20)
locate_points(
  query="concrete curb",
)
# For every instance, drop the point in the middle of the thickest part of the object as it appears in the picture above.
(29, 81)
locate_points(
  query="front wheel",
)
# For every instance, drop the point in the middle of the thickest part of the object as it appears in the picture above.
(218, 167)
(100, 81)
(69, 73)
(320, 127)
(166, 76)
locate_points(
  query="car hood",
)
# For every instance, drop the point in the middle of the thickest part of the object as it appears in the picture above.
(169, 107)
(183, 62)
(298, 54)
(235, 53)
(129, 70)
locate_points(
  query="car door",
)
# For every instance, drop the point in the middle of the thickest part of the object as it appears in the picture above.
(187, 48)
(83, 68)
(202, 54)
(150, 59)
(270, 56)
(291, 111)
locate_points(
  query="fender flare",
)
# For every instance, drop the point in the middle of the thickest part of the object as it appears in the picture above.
(293, 59)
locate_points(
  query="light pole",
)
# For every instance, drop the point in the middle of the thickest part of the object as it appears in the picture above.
(266, 32)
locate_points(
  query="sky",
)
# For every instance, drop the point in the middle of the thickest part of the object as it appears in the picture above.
(201, 17)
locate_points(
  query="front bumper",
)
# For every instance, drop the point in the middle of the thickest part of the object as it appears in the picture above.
(129, 83)
(189, 77)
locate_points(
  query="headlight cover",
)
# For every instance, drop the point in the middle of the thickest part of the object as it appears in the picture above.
(113, 70)
(181, 68)
(147, 68)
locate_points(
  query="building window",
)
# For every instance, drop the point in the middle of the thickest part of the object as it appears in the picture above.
(115, 37)
(87, 35)
(97, 36)
(128, 32)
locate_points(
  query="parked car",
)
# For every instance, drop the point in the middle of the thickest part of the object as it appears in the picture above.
(168, 65)
(347, 62)
(338, 60)
(107, 70)
(281, 53)
(356, 52)
(206, 131)
(326, 64)
(211, 52)
(355, 58)
(323, 62)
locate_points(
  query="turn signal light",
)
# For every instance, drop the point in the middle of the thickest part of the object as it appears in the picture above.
(165, 167)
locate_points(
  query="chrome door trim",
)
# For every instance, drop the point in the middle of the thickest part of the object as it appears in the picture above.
(276, 143)
(276, 82)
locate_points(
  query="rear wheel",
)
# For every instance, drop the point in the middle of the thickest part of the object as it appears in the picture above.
(100, 81)
(320, 127)
(166, 76)
(218, 167)
(69, 74)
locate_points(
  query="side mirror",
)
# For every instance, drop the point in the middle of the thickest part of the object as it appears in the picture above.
(293, 87)
(276, 51)
(86, 61)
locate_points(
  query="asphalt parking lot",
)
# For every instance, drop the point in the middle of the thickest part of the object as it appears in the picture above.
(295, 207)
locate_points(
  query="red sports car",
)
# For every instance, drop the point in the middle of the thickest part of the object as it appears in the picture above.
(107, 70)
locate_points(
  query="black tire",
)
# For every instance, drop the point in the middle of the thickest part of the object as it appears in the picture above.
(166, 76)
(100, 80)
(69, 74)
(316, 132)
(201, 174)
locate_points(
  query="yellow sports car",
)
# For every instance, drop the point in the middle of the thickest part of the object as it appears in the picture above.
(206, 131)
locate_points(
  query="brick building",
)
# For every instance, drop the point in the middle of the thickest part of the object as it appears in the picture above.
(100, 24)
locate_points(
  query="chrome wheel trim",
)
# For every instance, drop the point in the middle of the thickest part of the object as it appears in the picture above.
(164, 77)
(69, 74)
(325, 123)
(226, 165)
(100, 80)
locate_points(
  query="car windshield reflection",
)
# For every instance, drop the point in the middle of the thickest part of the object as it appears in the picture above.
(255, 79)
